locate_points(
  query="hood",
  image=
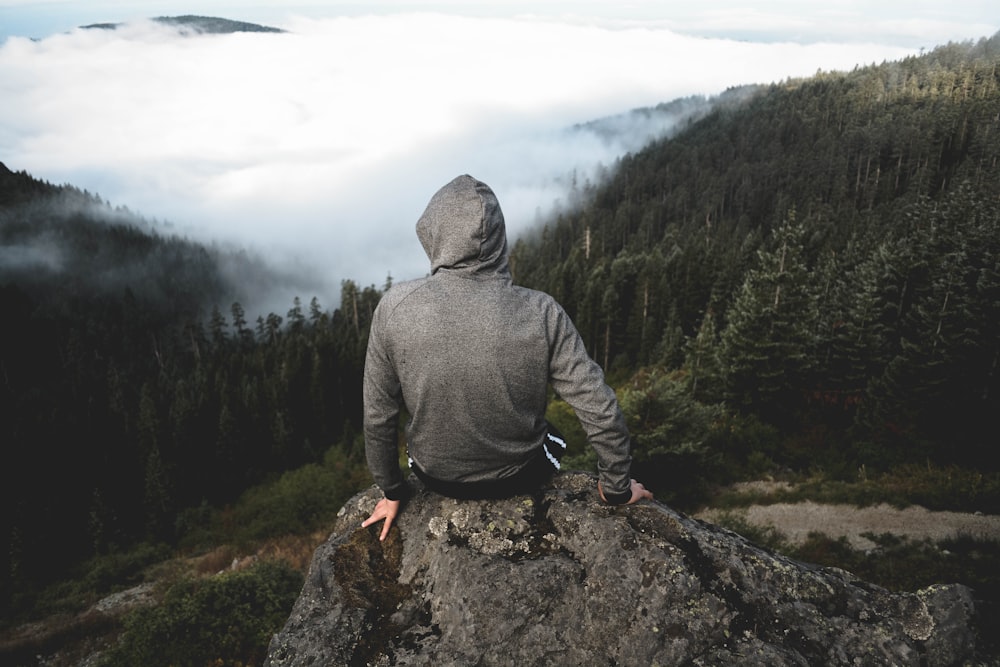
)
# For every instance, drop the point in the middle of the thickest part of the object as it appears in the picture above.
(462, 229)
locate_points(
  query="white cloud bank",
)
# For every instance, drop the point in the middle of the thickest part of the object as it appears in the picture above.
(323, 144)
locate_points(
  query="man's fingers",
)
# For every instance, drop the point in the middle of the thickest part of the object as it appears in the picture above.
(374, 518)
(639, 492)
(385, 509)
(377, 515)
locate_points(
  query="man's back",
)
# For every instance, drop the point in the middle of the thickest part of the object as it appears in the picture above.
(472, 360)
(471, 357)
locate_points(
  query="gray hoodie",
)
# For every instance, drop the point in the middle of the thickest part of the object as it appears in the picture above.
(470, 357)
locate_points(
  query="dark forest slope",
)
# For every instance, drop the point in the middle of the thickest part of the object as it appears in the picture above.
(825, 255)
(132, 386)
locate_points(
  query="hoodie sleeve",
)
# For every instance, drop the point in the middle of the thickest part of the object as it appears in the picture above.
(382, 398)
(579, 381)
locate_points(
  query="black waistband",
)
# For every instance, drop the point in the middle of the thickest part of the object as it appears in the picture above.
(526, 480)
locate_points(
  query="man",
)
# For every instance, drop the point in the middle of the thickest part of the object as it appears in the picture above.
(471, 356)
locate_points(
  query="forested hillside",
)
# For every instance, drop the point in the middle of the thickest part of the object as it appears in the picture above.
(133, 390)
(823, 257)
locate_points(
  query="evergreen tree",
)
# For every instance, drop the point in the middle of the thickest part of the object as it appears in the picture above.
(217, 327)
(702, 363)
(768, 342)
(939, 385)
(296, 319)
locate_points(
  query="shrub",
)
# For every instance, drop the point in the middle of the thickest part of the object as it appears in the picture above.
(84, 584)
(673, 437)
(945, 487)
(295, 503)
(224, 621)
(298, 502)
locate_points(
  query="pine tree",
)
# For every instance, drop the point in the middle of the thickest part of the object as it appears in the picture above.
(296, 319)
(244, 334)
(701, 361)
(769, 338)
(217, 327)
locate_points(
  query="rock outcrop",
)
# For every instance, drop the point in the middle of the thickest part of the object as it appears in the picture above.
(563, 579)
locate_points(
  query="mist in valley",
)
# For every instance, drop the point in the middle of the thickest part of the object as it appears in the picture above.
(315, 150)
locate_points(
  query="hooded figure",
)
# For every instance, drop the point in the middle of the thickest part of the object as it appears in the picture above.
(470, 357)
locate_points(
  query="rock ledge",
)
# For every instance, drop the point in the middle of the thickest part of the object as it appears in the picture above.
(560, 578)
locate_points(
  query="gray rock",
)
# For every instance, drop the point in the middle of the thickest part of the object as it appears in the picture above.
(562, 579)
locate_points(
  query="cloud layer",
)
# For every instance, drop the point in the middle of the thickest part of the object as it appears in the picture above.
(320, 146)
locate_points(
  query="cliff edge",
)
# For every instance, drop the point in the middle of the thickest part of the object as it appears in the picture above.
(562, 579)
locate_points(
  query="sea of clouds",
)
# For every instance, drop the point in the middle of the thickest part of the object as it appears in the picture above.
(318, 147)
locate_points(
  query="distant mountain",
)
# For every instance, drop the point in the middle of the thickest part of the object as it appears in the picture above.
(642, 126)
(188, 23)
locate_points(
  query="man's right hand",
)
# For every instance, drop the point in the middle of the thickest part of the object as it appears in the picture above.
(639, 492)
(385, 509)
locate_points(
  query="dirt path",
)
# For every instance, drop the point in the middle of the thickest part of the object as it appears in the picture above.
(796, 520)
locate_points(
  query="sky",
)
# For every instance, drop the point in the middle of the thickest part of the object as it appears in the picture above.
(319, 147)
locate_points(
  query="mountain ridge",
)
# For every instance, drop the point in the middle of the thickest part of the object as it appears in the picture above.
(208, 25)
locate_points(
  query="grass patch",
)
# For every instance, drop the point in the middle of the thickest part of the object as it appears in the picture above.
(936, 488)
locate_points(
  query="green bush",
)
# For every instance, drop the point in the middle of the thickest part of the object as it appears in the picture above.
(673, 442)
(117, 569)
(222, 621)
(765, 536)
(295, 503)
(84, 584)
(945, 487)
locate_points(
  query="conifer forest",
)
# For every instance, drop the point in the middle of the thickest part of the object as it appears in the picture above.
(806, 275)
